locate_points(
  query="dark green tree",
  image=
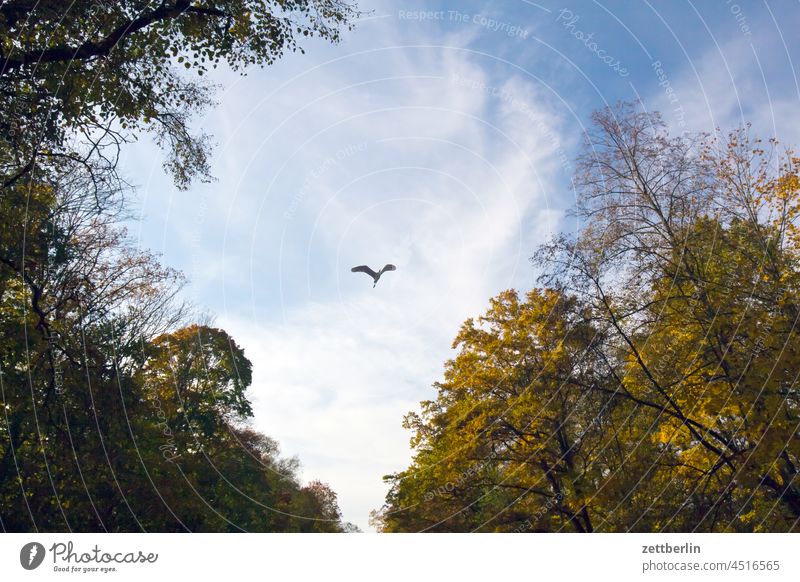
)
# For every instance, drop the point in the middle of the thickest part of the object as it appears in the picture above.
(78, 80)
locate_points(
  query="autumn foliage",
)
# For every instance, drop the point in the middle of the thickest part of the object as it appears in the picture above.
(651, 384)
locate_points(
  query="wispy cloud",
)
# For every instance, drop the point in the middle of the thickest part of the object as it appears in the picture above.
(738, 79)
(446, 180)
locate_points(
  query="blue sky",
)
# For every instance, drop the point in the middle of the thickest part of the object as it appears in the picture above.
(442, 143)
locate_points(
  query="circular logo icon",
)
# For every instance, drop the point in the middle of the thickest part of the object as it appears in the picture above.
(31, 555)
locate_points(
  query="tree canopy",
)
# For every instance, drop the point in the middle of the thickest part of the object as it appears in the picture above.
(119, 414)
(651, 384)
(118, 410)
(79, 80)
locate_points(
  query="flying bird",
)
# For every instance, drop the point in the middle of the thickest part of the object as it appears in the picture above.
(375, 276)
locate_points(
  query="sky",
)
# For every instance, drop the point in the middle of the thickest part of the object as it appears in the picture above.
(440, 137)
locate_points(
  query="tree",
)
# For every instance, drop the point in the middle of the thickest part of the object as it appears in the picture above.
(78, 81)
(508, 441)
(666, 332)
(115, 415)
(200, 375)
(686, 261)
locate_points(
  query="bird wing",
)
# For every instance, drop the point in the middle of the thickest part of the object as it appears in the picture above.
(364, 269)
(388, 267)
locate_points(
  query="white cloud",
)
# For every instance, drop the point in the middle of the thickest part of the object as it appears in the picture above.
(456, 197)
(377, 156)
